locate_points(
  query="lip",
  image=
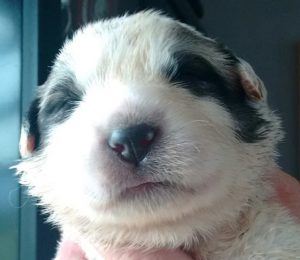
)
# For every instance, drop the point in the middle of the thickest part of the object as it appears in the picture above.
(142, 189)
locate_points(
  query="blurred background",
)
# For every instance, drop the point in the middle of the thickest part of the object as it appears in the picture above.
(265, 33)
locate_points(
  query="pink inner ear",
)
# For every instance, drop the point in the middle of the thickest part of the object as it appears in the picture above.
(30, 143)
(251, 90)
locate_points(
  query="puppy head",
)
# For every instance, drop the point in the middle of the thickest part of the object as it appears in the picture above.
(146, 124)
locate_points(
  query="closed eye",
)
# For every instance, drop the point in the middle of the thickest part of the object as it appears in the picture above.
(60, 102)
(194, 73)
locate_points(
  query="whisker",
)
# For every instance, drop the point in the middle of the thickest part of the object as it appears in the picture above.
(201, 122)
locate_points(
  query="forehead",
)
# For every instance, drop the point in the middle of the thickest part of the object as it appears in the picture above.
(140, 45)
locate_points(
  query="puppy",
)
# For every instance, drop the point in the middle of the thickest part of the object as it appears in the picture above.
(148, 134)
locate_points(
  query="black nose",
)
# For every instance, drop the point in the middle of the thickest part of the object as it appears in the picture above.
(132, 144)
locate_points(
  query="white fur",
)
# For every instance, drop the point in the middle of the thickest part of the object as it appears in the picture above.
(220, 192)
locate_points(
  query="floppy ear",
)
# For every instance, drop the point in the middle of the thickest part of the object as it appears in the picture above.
(251, 83)
(30, 134)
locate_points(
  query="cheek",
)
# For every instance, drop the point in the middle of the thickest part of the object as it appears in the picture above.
(205, 129)
(71, 161)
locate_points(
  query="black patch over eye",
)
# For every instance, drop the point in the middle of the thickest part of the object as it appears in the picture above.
(30, 123)
(198, 76)
(191, 66)
(62, 99)
(194, 73)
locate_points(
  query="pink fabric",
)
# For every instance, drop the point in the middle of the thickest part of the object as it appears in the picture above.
(69, 250)
(163, 254)
(288, 192)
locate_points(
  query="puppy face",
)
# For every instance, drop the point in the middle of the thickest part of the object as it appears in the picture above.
(145, 123)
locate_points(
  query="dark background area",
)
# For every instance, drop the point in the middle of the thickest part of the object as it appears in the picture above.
(264, 33)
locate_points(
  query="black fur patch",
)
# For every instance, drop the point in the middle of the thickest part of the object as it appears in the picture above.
(30, 123)
(197, 75)
(58, 105)
(62, 99)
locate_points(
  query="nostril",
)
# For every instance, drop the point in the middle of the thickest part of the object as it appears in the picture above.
(148, 139)
(118, 141)
(132, 144)
(118, 148)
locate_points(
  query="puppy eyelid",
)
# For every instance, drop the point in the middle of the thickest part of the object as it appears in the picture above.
(191, 68)
(62, 100)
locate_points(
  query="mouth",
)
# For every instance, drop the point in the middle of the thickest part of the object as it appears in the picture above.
(143, 189)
